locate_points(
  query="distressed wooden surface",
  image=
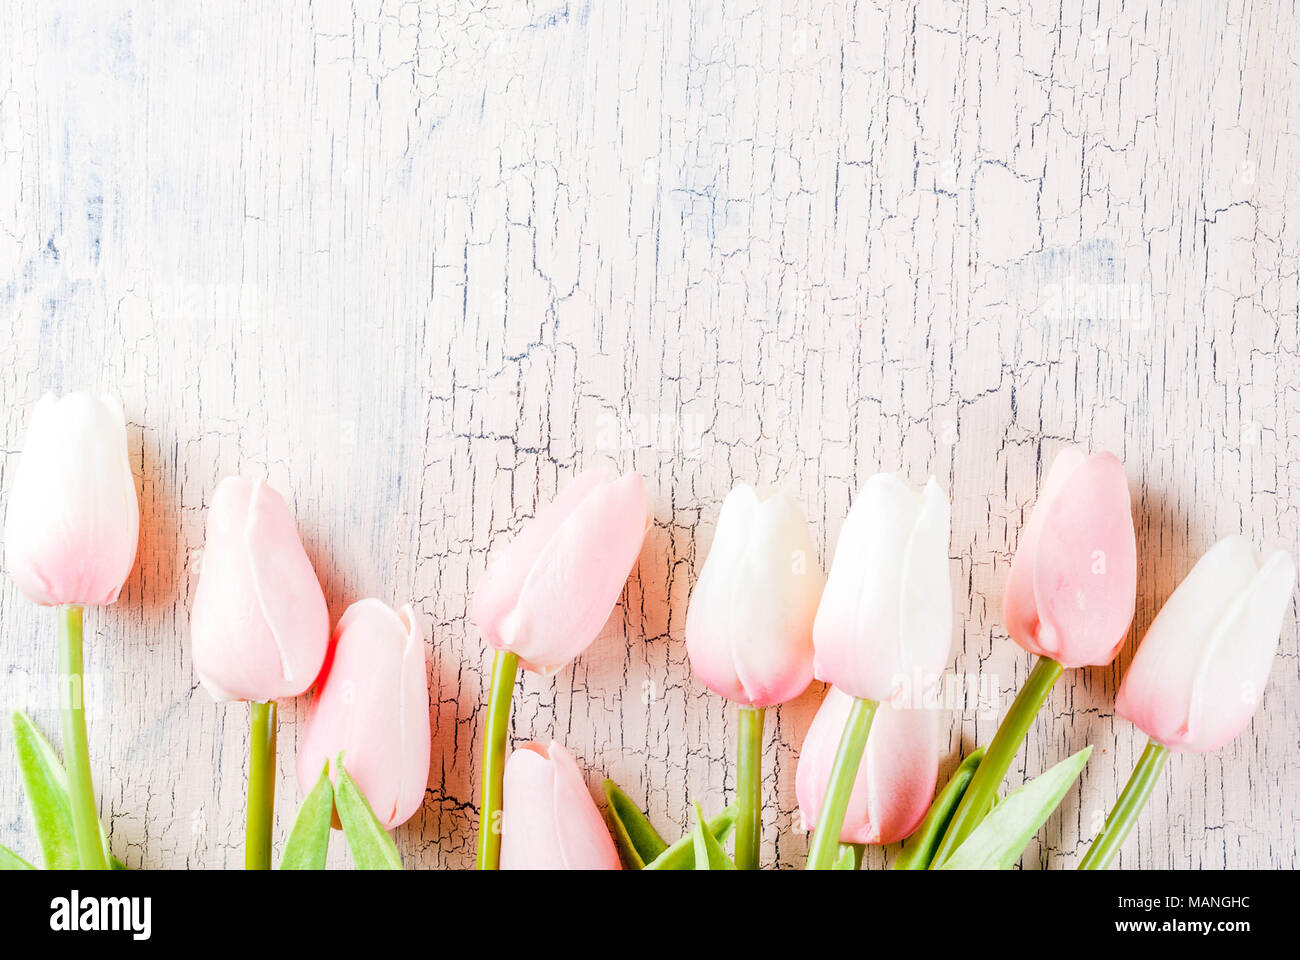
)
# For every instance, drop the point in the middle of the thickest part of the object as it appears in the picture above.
(417, 263)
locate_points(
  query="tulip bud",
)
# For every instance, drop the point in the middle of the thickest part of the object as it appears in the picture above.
(886, 615)
(72, 522)
(548, 594)
(1073, 582)
(549, 821)
(1201, 669)
(372, 705)
(259, 625)
(895, 781)
(749, 623)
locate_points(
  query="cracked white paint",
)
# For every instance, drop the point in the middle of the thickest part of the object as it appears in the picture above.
(418, 262)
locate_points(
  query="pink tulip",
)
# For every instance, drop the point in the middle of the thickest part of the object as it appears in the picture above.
(884, 625)
(895, 781)
(1073, 582)
(72, 522)
(549, 821)
(549, 593)
(372, 705)
(259, 625)
(1202, 667)
(750, 620)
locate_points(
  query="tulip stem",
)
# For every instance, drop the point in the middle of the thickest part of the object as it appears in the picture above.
(261, 785)
(505, 666)
(983, 789)
(1127, 808)
(76, 747)
(826, 838)
(749, 787)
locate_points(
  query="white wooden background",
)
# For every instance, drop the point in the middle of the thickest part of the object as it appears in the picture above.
(419, 262)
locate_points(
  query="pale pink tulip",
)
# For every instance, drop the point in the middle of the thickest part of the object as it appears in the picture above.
(1201, 670)
(372, 705)
(72, 522)
(548, 819)
(884, 626)
(259, 625)
(750, 618)
(895, 781)
(1073, 582)
(549, 593)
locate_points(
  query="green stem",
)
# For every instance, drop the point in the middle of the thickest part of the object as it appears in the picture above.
(261, 785)
(749, 780)
(76, 748)
(826, 838)
(1001, 751)
(1127, 808)
(505, 666)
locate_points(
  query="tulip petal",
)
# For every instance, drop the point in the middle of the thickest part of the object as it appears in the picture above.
(1201, 669)
(288, 591)
(925, 607)
(573, 585)
(529, 837)
(749, 623)
(1157, 689)
(584, 841)
(259, 626)
(921, 845)
(859, 645)
(372, 704)
(895, 780)
(498, 591)
(72, 521)
(1073, 583)
(1240, 655)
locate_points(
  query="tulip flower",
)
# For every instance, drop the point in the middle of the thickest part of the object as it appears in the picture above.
(895, 780)
(372, 706)
(886, 615)
(884, 625)
(1200, 672)
(259, 625)
(72, 522)
(749, 629)
(72, 525)
(545, 598)
(1069, 599)
(1073, 582)
(259, 628)
(549, 821)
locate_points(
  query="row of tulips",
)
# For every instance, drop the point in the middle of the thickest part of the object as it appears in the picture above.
(763, 622)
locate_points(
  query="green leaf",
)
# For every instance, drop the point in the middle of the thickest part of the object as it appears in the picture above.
(638, 841)
(709, 854)
(681, 855)
(11, 861)
(921, 845)
(372, 848)
(47, 795)
(849, 857)
(309, 840)
(46, 783)
(1000, 839)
